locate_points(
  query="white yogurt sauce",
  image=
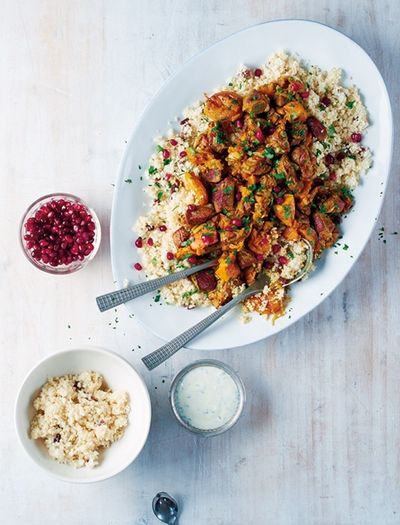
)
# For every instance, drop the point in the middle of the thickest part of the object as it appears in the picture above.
(206, 397)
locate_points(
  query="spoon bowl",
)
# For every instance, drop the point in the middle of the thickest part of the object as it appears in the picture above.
(165, 508)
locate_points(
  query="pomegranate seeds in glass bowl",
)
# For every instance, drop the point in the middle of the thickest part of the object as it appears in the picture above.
(59, 233)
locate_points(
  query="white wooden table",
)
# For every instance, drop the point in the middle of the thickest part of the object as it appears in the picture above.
(319, 439)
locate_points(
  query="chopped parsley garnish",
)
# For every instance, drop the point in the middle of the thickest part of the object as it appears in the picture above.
(157, 297)
(159, 148)
(279, 176)
(228, 190)
(159, 195)
(166, 161)
(188, 294)
(152, 170)
(331, 130)
(346, 192)
(322, 208)
(345, 247)
(287, 211)
(269, 153)
(350, 104)
(318, 152)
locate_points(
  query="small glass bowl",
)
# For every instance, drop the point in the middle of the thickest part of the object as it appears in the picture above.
(63, 268)
(241, 392)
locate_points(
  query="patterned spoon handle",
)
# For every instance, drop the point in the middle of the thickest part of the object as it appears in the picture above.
(110, 300)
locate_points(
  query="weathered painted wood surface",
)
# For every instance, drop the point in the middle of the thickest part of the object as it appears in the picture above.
(319, 440)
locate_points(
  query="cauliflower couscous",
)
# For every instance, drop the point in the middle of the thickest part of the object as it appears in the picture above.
(77, 417)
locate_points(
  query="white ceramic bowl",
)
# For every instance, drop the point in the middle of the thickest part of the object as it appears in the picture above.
(119, 375)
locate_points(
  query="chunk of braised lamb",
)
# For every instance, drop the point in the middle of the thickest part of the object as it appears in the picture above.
(255, 165)
(298, 133)
(198, 214)
(255, 103)
(279, 140)
(231, 237)
(221, 294)
(180, 235)
(223, 194)
(205, 236)
(249, 275)
(224, 105)
(212, 175)
(206, 280)
(305, 229)
(327, 230)
(305, 160)
(246, 258)
(260, 240)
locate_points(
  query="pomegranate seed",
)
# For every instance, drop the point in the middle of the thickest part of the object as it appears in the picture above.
(277, 189)
(239, 124)
(238, 196)
(356, 137)
(283, 260)
(168, 176)
(192, 259)
(162, 228)
(150, 241)
(270, 130)
(173, 142)
(296, 86)
(305, 94)
(279, 200)
(340, 156)
(329, 159)
(191, 207)
(276, 248)
(257, 72)
(228, 229)
(259, 135)
(237, 222)
(332, 175)
(268, 265)
(166, 154)
(259, 257)
(182, 154)
(170, 256)
(138, 266)
(139, 242)
(326, 101)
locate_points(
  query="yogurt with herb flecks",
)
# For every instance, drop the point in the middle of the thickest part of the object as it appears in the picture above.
(207, 397)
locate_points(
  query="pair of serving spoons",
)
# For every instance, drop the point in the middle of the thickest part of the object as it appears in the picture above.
(113, 299)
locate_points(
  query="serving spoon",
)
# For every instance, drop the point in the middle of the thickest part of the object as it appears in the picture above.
(169, 349)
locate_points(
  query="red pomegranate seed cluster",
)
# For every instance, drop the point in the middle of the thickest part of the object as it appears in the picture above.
(60, 232)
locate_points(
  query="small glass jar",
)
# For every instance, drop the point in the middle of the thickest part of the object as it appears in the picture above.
(199, 390)
(73, 266)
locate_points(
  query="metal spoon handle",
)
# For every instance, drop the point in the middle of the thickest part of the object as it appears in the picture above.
(165, 352)
(113, 299)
